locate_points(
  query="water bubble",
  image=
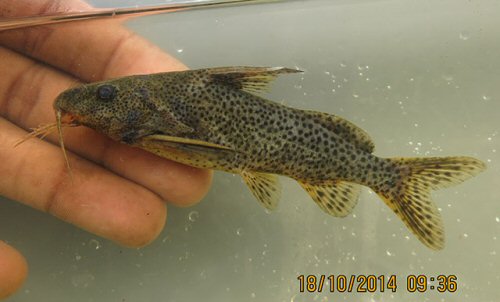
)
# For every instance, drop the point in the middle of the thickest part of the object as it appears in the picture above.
(82, 280)
(355, 95)
(342, 64)
(193, 216)
(184, 257)
(203, 275)
(464, 35)
(497, 219)
(448, 78)
(78, 257)
(388, 253)
(388, 87)
(239, 231)
(486, 97)
(95, 244)
(180, 50)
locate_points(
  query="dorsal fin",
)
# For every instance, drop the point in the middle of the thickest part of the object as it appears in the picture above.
(346, 130)
(249, 79)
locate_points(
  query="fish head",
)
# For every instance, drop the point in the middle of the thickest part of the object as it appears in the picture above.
(123, 109)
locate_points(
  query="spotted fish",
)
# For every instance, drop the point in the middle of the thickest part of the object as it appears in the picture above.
(214, 119)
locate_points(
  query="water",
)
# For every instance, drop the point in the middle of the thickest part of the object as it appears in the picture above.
(420, 76)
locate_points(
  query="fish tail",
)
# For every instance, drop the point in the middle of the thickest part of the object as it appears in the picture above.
(409, 193)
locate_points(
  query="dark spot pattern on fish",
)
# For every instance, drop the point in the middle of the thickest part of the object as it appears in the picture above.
(212, 118)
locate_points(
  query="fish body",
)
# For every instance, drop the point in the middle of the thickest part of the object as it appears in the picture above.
(261, 135)
(214, 119)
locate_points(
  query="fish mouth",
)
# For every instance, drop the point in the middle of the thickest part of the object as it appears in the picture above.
(69, 119)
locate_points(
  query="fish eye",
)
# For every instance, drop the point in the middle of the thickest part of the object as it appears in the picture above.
(106, 92)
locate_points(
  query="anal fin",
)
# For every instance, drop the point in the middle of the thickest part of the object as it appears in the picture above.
(265, 187)
(337, 199)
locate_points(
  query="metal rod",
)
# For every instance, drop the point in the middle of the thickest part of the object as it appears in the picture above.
(21, 22)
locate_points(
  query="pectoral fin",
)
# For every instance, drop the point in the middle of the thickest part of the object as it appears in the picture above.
(265, 187)
(338, 199)
(188, 151)
(185, 141)
(249, 79)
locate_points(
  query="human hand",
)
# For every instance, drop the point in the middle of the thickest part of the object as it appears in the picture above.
(117, 192)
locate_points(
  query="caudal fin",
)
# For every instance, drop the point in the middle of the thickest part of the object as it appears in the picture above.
(409, 197)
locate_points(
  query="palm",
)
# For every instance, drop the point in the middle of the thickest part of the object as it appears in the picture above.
(117, 192)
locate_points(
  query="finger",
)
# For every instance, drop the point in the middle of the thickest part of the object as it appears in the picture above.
(101, 54)
(90, 53)
(28, 92)
(94, 199)
(13, 270)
